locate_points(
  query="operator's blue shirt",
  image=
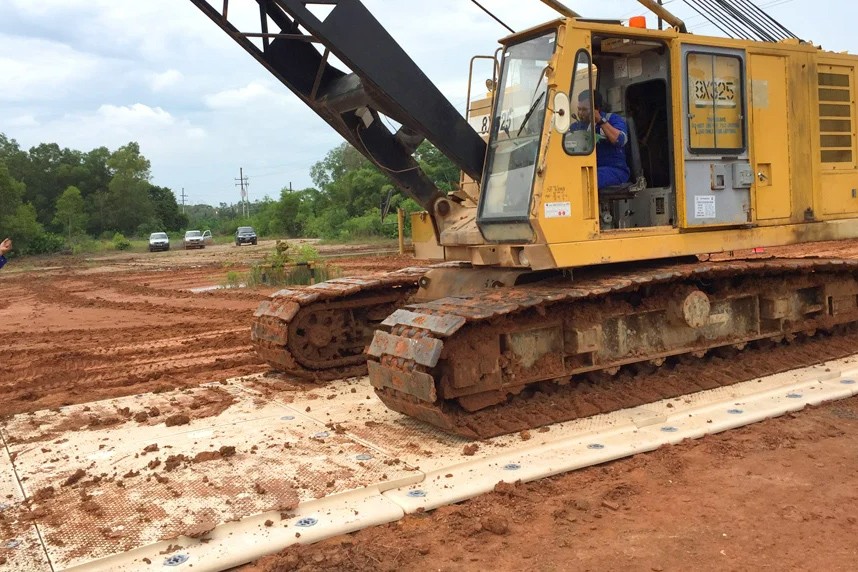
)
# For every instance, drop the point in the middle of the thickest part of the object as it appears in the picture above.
(611, 166)
(2, 260)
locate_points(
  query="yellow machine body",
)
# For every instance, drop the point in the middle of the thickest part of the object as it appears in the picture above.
(747, 144)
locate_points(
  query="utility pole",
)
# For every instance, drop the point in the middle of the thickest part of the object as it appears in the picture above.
(243, 183)
(184, 196)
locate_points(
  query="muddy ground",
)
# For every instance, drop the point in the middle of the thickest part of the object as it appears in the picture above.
(782, 494)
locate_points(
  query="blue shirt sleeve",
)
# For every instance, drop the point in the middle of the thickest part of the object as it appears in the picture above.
(2, 260)
(619, 124)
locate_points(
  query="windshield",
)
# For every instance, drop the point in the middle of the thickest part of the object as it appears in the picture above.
(245, 229)
(192, 234)
(158, 235)
(516, 130)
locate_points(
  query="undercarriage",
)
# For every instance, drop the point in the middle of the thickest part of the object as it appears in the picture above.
(445, 359)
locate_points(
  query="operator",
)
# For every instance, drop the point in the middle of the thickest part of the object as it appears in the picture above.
(5, 247)
(612, 134)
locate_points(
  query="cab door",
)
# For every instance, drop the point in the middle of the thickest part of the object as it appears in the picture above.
(770, 137)
(567, 204)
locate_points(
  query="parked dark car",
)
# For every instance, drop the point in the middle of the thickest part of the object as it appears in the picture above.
(159, 241)
(245, 235)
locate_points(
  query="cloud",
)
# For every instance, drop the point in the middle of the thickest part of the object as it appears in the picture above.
(21, 121)
(163, 80)
(242, 96)
(39, 70)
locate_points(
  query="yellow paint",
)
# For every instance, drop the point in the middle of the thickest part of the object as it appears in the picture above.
(770, 137)
(798, 198)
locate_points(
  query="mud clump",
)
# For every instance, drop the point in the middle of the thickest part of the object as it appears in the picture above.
(204, 523)
(44, 493)
(173, 462)
(151, 448)
(495, 524)
(223, 453)
(179, 419)
(470, 450)
(206, 456)
(78, 475)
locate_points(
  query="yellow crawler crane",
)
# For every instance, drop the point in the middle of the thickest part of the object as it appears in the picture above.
(732, 144)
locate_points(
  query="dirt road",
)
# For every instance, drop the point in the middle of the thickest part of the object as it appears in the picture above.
(780, 494)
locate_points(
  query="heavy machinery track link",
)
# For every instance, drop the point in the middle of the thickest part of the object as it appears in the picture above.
(320, 332)
(459, 362)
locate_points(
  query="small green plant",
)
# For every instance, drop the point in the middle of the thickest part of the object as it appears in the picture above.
(120, 242)
(233, 279)
(282, 268)
(306, 253)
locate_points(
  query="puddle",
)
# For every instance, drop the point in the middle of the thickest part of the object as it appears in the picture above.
(215, 287)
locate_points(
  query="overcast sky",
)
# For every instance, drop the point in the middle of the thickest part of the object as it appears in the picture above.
(87, 73)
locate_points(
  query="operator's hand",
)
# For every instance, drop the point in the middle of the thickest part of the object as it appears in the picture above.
(597, 117)
(5, 246)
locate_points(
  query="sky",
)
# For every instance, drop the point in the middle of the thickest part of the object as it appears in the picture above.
(91, 73)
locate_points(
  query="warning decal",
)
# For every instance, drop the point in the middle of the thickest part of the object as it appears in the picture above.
(556, 210)
(704, 206)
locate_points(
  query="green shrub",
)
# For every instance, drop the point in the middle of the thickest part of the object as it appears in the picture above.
(306, 253)
(291, 275)
(284, 268)
(45, 243)
(233, 279)
(120, 242)
(85, 244)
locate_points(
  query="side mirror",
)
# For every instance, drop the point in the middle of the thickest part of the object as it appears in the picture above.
(562, 112)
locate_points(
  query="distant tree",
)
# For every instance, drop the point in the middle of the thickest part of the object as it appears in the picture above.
(14, 157)
(95, 179)
(17, 219)
(128, 191)
(437, 166)
(70, 215)
(337, 162)
(166, 208)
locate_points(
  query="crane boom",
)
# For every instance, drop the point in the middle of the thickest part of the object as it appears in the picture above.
(382, 79)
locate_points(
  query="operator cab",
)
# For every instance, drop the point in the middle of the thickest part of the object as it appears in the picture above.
(633, 77)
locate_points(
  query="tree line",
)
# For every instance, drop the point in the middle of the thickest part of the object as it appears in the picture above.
(52, 197)
(343, 204)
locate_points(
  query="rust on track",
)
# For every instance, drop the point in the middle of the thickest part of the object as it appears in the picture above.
(320, 332)
(454, 361)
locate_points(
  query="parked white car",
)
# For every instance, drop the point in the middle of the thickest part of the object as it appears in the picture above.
(159, 241)
(193, 239)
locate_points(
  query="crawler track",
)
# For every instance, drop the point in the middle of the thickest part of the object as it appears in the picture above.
(452, 361)
(320, 332)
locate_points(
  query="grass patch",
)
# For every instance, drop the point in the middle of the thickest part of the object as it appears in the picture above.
(288, 266)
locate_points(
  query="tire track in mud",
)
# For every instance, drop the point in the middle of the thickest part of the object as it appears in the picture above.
(162, 346)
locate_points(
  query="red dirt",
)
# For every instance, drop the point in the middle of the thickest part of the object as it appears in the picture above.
(779, 494)
(84, 330)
